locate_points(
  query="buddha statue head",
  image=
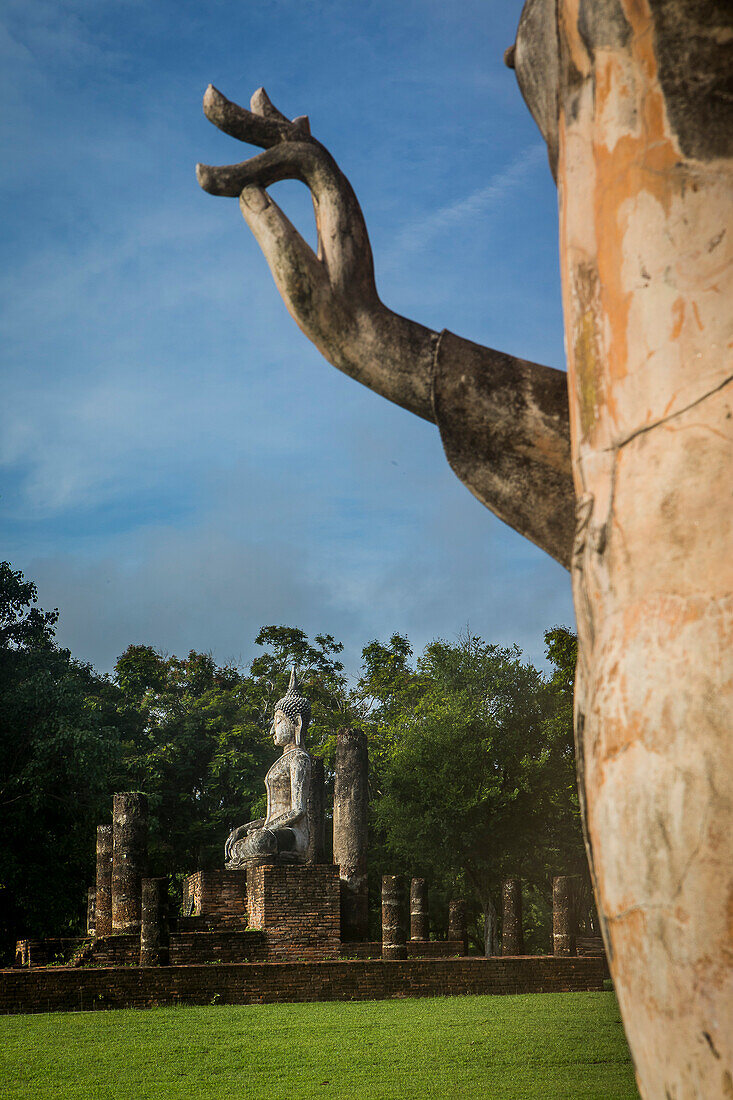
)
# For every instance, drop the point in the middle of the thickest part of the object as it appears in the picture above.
(292, 716)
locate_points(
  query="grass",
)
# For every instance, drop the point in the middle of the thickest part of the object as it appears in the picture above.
(568, 1046)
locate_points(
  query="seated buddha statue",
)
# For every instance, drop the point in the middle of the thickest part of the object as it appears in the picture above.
(283, 835)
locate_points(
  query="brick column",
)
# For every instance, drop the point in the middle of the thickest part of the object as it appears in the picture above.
(154, 922)
(350, 831)
(563, 922)
(91, 910)
(419, 918)
(129, 858)
(457, 922)
(512, 938)
(394, 917)
(316, 813)
(103, 901)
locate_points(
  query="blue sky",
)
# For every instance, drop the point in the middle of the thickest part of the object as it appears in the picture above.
(178, 466)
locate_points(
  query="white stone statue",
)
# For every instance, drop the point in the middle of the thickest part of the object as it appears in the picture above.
(284, 834)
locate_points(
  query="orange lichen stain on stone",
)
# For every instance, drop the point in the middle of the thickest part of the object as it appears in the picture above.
(642, 159)
(678, 314)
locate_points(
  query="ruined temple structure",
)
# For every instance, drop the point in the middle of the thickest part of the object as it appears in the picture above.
(275, 904)
(621, 469)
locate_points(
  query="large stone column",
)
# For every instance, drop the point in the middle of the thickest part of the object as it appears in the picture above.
(458, 922)
(419, 916)
(394, 917)
(563, 918)
(154, 922)
(350, 831)
(129, 858)
(103, 900)
(512, 938)
(316, 813)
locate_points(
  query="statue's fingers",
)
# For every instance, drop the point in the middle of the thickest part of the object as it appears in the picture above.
(300, 277)
(279, 163)
(263, 128)
(261, 104)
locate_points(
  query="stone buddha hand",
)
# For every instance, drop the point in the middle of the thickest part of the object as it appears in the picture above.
(282, 836)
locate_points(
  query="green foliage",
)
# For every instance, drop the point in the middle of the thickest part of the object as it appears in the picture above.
(534, 1047)
(56, 756)
(476, 769)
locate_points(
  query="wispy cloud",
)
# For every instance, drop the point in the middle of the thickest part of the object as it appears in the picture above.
(502, 187)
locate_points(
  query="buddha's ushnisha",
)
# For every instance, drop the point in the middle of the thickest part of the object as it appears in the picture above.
(283, 835)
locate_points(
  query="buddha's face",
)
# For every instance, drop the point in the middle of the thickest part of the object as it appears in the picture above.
(283, 729)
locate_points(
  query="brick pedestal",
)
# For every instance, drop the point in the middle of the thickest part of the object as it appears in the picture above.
(298, 908)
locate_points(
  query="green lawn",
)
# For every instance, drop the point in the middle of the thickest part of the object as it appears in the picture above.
(563, 1045)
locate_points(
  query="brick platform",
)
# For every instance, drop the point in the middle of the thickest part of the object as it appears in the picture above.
(298, 908)
(62, 990)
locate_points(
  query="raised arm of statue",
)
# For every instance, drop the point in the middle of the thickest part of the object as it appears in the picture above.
(503, 421)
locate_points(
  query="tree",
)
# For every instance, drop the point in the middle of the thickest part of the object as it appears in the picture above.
(475, 781)
(56, 756)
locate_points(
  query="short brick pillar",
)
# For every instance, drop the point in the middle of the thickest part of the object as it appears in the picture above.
(103, 899)
(154, 922)
(297, 906)
(512, 937)
(458, 922)
(219, 895)
(563, 917)
(91, 913)
(351, 831)
(129, 858)
(419, 917)
(394, 917)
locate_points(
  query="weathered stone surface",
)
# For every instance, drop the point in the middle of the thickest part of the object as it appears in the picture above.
(350, 831)
(512, 935)
(457, 922)
(394, 917)
(103, 893)
(284, 834)
(154, 922)
(419, 914)
(563, 916)
(129, 858)
(316, 852)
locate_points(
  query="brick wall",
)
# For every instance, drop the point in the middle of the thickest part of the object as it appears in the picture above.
(299, 909)
(218, 947)
(217, 894)
(416, 949)
(61, 989)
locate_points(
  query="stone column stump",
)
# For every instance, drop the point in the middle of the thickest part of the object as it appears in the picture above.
(512, 937)
(316, 813)
(103, 900)
(350, 831)
(129, 858)
(563, 917)
(91, 910)
(154, 922)
(394, 917)
(419, 917)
